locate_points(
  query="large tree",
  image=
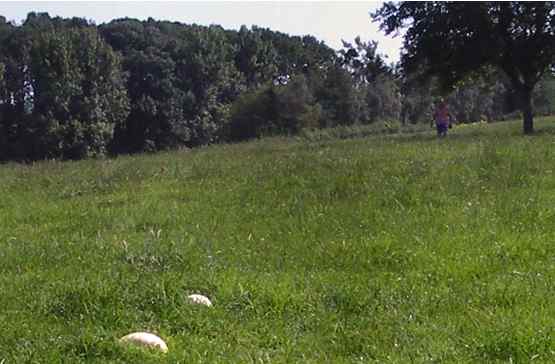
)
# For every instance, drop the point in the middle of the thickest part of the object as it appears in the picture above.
(456, 39)
(78, 93)
(62, 91)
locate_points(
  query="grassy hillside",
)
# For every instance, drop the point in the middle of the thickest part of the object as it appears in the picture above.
(390, 249)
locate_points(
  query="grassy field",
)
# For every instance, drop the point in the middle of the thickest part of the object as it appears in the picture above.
(390, 249)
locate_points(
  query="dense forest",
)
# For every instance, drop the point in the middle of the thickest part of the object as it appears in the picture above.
(72, 89)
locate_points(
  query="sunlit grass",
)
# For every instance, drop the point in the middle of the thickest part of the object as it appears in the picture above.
(398, 249)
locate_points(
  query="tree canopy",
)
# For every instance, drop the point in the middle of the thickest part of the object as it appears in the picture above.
(455, 39)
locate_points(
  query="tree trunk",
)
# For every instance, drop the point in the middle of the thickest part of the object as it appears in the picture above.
(526, 108)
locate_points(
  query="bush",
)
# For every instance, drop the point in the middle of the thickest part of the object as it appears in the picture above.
(252, 114)
(274, 110)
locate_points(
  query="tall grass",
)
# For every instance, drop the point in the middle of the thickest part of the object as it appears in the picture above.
(395, 249)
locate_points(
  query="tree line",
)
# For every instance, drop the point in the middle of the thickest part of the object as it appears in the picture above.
(71, 89)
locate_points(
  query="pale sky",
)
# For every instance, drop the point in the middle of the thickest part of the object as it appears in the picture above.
(327, 21)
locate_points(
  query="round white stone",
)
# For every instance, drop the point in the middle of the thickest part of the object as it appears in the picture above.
(199, 299)
(145, 339)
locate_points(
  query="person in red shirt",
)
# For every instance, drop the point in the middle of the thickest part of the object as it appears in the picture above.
(442, 118)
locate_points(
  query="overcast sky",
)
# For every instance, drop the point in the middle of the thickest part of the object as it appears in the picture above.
(327, 21)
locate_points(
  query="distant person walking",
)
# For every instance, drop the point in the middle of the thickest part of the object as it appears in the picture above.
(442, 118)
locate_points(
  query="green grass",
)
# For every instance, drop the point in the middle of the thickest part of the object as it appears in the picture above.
(392, 249)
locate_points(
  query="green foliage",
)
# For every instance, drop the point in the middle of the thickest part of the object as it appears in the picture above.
(156, 118)
(173, 85)
(215, 114)
(252, 114)
(296, 106)
(275, 109)
(63, 91)
(338, 97)
(184, 79)
(255, 58)
(78, 92)
(486, 97)
(544, 95)
(363, 60)
(377, 90)
(455, 39)
(382, 98)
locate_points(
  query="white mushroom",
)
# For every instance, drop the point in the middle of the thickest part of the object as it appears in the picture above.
(145, 339)
(199, 299)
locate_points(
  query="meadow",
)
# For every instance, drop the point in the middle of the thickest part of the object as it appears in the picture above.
(399, 248)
